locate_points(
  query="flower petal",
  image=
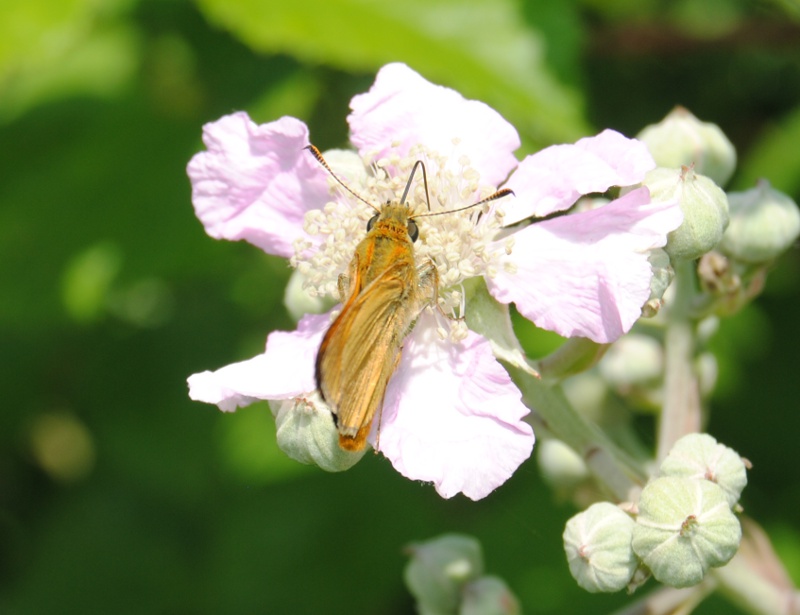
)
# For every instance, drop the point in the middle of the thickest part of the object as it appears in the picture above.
(452, 415)
(587, 274)
(403, 108)
(283, 371)
(256, 182)
(553, 178)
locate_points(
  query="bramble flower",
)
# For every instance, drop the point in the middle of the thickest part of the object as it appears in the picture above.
(451, 414)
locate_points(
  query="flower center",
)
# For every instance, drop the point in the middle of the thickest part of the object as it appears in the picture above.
(461, 244)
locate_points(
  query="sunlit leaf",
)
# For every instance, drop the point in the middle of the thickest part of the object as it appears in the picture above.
(481, 48)
(50, 50)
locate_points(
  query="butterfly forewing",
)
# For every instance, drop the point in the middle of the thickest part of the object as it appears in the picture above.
(360, 351)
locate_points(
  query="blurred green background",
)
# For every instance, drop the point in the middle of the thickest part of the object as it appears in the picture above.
(120, 495)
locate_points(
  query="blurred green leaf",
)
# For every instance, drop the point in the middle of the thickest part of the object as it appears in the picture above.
(52, 50)
(706, 19)
(295, 95)
(626, 10)
(481, 48)
(563, 32)
(87, 280)
(775, 157)
(790, 7)
(249, 452)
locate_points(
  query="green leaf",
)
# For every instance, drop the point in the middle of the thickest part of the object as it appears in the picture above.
(481, 48)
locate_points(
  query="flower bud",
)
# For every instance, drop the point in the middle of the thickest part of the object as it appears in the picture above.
(489, 596)
(704, 206)
(680, 139)
(306, 433)
(684, 527)
(298, 301)
(561, 467)
(764, 223)
(597, 542)
(439, 569)
(634, 360)
(699, 456)
(707, 370)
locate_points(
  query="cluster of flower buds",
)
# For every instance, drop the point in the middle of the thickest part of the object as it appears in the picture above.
(683, 524)
(764, 223)
(736, 235)
(684, 521)
(445, 576)
(730, 239)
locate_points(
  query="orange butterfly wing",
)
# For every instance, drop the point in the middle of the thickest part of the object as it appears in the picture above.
(360, 351)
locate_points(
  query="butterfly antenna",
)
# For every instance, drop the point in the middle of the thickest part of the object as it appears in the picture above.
(421, 165)
(318, 155)
(492, 197)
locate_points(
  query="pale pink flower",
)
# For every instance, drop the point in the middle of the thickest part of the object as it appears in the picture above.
(451, 414)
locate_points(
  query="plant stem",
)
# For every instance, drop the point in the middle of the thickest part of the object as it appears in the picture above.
(681, 413)
(612, 468)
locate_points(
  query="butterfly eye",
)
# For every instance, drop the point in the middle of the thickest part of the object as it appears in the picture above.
(413, 231)
(372, 222)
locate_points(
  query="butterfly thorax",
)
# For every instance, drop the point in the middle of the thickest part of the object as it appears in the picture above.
(387, 245)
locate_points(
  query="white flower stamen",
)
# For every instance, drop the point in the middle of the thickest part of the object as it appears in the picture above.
(461, 244)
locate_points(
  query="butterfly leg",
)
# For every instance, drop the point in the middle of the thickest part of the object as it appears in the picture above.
(343, 287)
(349, 282)
(428, 285)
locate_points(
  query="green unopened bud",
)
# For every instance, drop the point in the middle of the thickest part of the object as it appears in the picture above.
(489, 596)
(699, 456)
(684, 527)
(764, 224)
(704, 206)
(298, 301)
(440, 568)
(306, 433)
(634, 360)
(597, 542)
(707, 370)
(680, 139)
(561, 466)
